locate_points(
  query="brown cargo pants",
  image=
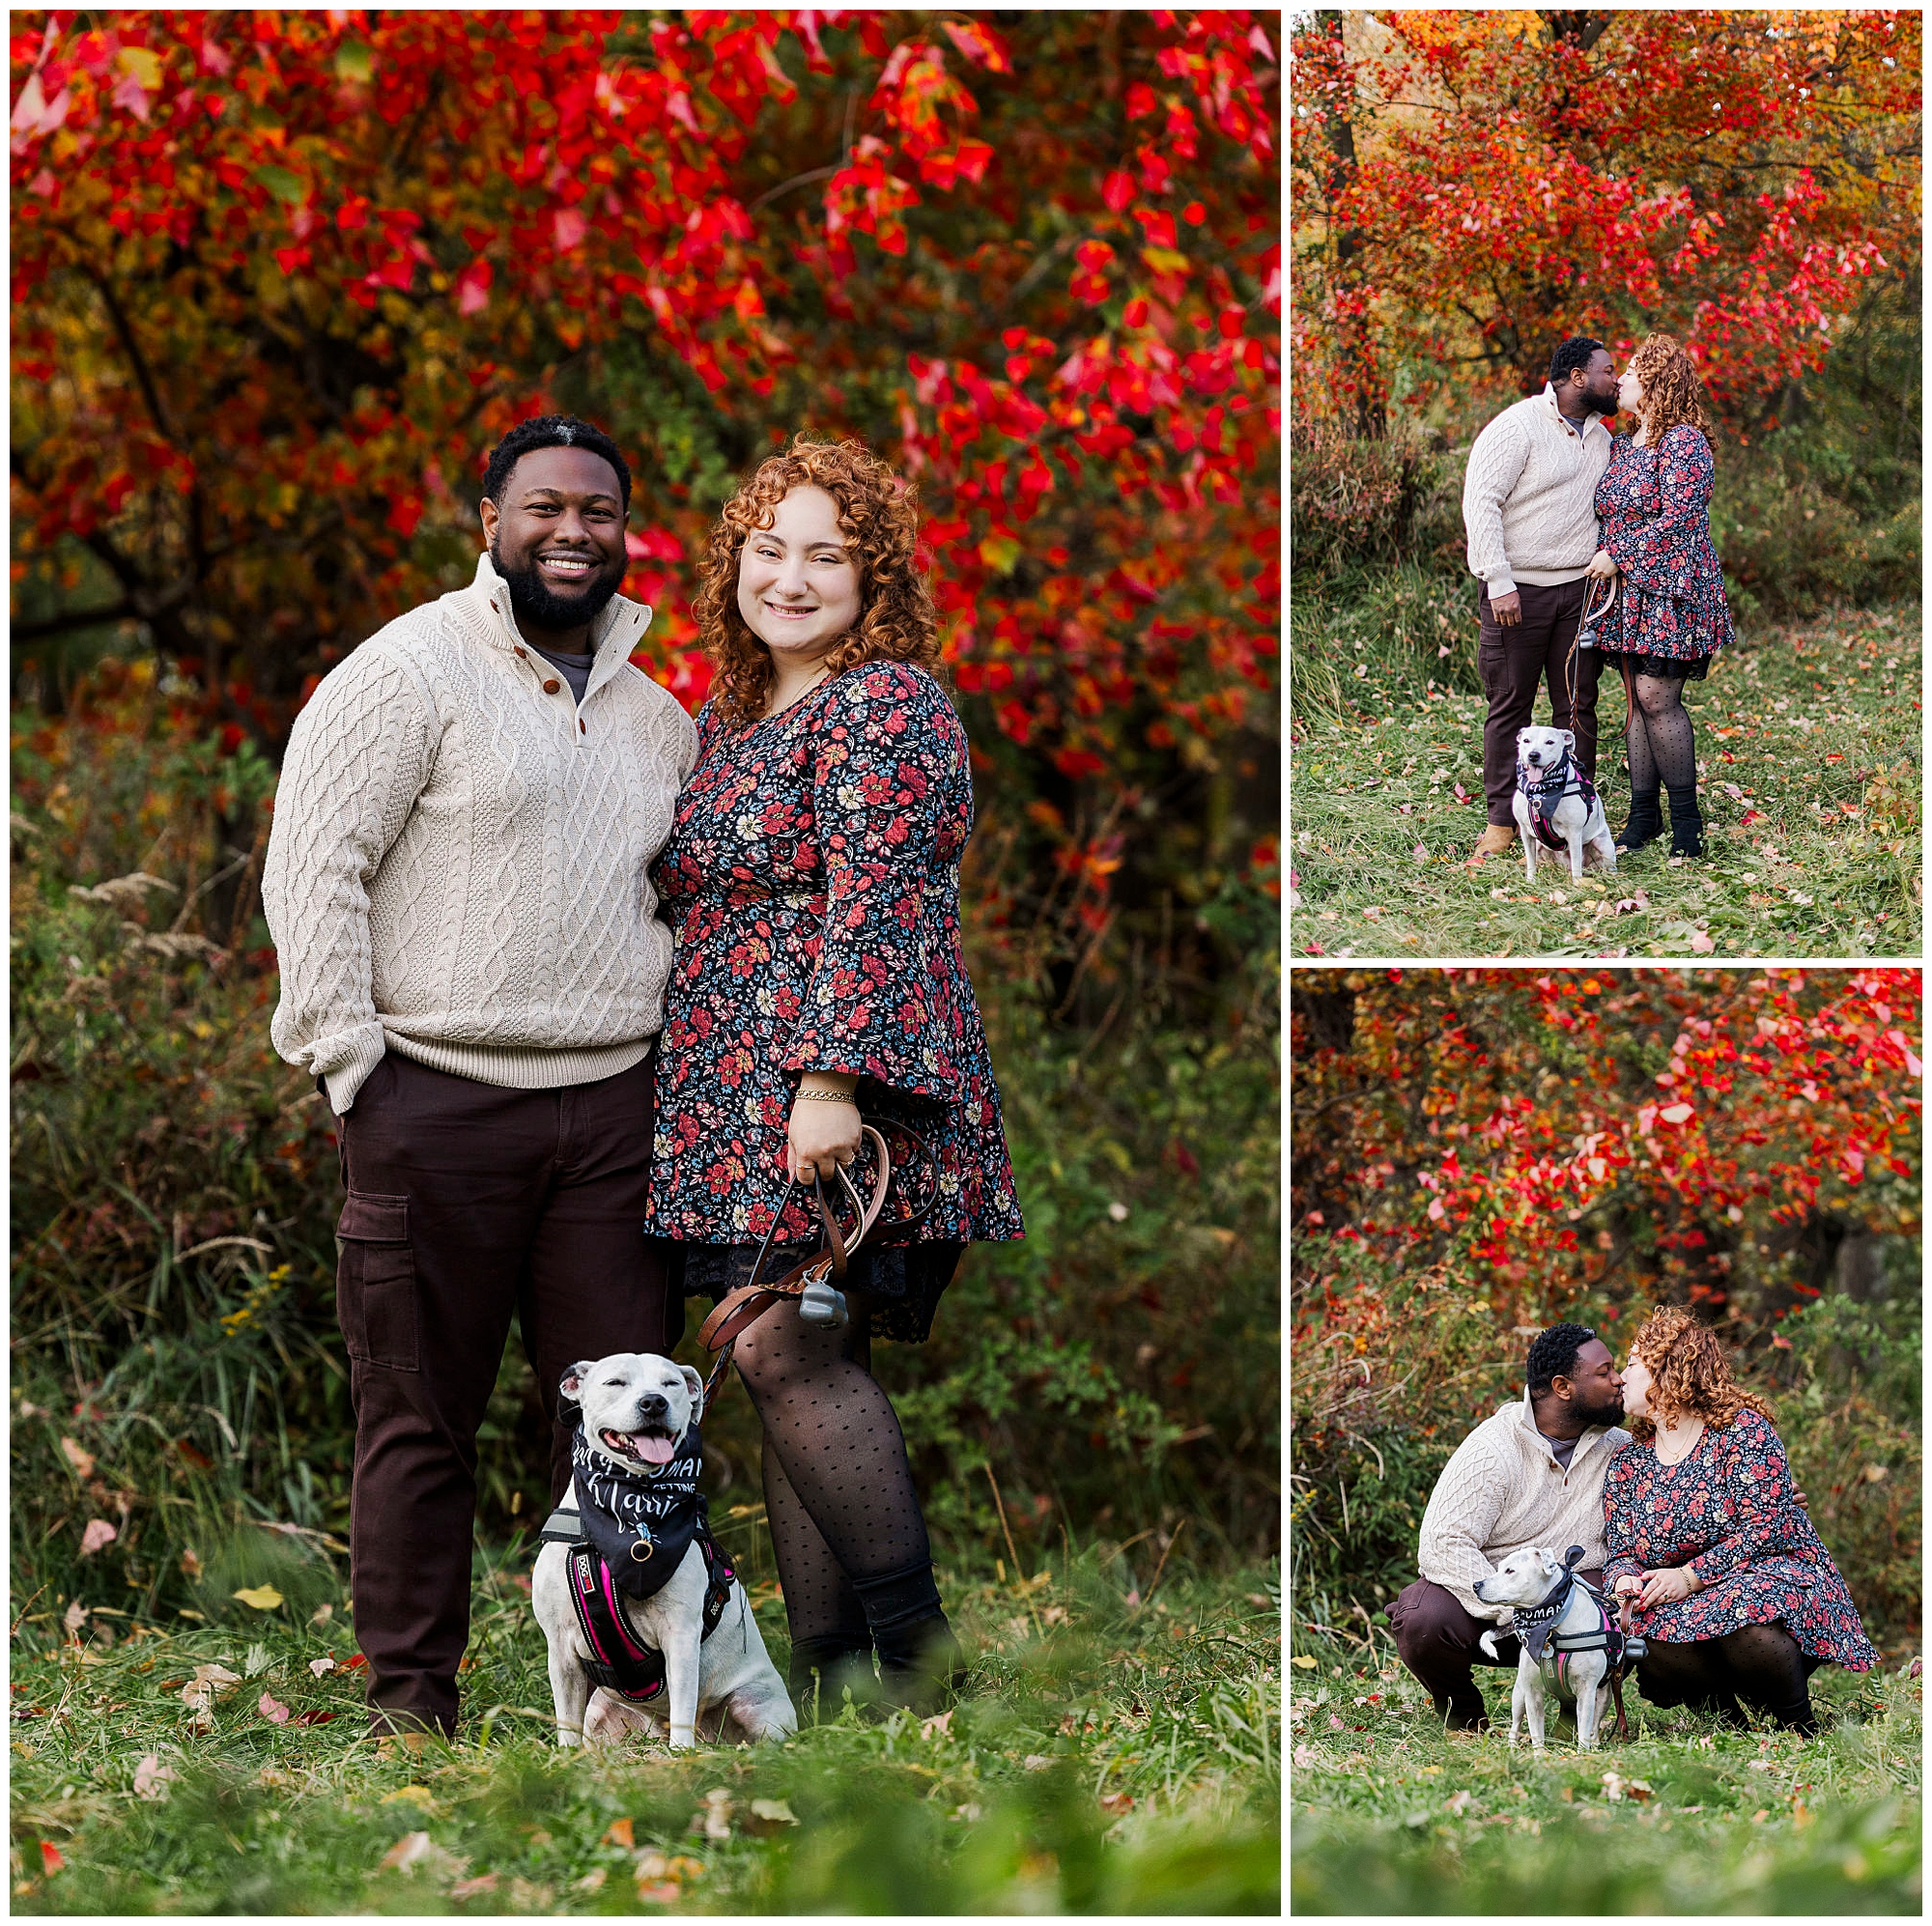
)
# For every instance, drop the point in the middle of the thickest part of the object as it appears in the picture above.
(1512, 661)
(468, 1204)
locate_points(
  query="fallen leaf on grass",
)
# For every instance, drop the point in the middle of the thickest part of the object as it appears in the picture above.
(263, 1597)
(768, 1816)
(1302, 1659)
(1037, 1762)
(273, 1710)
(418, 1852)
(74, 1617)
(619, 1833)
(470, 1888)
(50, 1857)
(592, 1880)
(317, 1718)
(1701, 944)
(1459, 1802)
(152, 1777)
(1462, 794)
(715, 1820)
(208, 1683)
(81, 1460)
(1116, 1805)
(98, 1536)
(320, 1665)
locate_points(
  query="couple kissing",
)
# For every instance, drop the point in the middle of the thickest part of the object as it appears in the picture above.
(1689, 1513)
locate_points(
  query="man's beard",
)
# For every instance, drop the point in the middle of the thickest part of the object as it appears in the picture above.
(1609, 1412)
(1600, 403)
(542, 607)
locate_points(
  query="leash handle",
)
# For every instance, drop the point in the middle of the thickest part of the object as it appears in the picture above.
(743, 1308)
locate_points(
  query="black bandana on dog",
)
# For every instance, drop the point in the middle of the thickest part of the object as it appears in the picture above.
(1533, 1624)
(641, 1520)
(1545, 791)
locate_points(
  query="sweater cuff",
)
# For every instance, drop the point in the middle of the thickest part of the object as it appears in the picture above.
(350, 1057)
(1503, 583)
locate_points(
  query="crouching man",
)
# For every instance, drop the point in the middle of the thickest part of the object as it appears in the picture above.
(1532, 1474)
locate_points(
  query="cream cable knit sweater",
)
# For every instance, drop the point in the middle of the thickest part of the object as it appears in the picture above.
(1529, 495)
(458, 864)
(1503, 1492)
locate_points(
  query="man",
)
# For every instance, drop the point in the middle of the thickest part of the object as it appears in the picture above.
(472, 968)
(1532, 1474)
(1529, 510)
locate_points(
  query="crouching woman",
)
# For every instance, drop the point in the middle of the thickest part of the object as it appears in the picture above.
(1735, 1591)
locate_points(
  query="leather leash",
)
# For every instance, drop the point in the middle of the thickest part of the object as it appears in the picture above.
(736, 1312)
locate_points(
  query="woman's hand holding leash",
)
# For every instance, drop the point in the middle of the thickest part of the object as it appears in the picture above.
(1600, 565)
(823, 1135)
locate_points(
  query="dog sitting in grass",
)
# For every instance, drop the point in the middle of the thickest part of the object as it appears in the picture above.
(649, 1630)
(1556, 806)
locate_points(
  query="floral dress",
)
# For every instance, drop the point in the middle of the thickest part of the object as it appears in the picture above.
(812, 880)
(1654, 504)
(1729, 1512)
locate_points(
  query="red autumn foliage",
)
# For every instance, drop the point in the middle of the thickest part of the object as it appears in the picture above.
(1581, 1136)
(1472, 187)
(281, 278)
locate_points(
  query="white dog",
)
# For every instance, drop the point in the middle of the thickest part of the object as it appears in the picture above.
(1556, 806)
(689, 1653)
(1561, 1621)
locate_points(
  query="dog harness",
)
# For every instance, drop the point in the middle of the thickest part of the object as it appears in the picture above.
(1545, 791)
(628, 1534)
(1555, 1650)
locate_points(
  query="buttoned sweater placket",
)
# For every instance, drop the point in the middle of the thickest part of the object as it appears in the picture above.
(552, 685)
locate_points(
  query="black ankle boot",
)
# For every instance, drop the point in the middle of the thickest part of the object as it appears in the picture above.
(921, 1664)
(1645, 824)
(823, 1670)
(1687, 822)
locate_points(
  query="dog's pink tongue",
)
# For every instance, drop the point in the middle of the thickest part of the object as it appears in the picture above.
(654, 1450)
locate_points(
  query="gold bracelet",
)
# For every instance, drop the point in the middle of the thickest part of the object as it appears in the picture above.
(828, 1096)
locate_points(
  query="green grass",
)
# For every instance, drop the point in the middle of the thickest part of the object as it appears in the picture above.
(1391, 1815)
(1807, 740)
(1107, 1757)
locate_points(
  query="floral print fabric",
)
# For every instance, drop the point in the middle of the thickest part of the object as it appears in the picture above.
(812, 880)
(1654, 508)
(1729, 1512)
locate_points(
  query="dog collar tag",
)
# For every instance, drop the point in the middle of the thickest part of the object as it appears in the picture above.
(641, 1548)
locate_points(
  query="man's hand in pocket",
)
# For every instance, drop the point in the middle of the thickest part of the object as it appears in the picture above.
(1506, 610)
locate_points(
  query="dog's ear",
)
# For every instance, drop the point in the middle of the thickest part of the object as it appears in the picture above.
(1569, 738)
(570, 1386)
(694, 1385)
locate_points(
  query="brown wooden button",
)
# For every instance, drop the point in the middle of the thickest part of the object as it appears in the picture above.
(522, 657)
(582, 728)
(552, 686)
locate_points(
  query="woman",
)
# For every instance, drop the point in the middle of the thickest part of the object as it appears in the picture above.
(1736, 1594)
(812, 883)
(1670, 617)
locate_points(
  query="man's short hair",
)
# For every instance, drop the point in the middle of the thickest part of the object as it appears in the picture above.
(1571, 354)
(1553, 1355)
(551, 431)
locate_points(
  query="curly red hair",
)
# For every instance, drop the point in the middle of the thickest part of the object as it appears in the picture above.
(1673, 391)
(1688, 1375)
(878, 513)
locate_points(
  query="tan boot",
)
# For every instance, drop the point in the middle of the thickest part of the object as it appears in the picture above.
(1498, 839)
